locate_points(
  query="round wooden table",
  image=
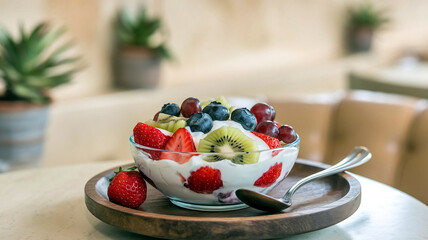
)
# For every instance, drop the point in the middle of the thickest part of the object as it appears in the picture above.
(49, 203)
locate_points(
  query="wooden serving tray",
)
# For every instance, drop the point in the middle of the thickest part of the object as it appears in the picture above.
(317, 205)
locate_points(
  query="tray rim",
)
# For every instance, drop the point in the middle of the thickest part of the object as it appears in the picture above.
(352, 196)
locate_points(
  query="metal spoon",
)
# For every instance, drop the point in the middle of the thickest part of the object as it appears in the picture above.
(267, 203)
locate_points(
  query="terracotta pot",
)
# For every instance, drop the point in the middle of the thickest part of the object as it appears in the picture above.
(22, 132)
(136, 67)
(360, 39)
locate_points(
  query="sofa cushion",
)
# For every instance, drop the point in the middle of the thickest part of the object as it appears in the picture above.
(414, 175)
(378, 121)
(311, 117)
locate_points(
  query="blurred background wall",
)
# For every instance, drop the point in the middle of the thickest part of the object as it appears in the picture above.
(214, 40)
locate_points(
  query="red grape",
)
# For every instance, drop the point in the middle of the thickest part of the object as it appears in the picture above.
(155, 118)
(268, 128)
(263, 112)
(287, 134)
(190, 106)
(273, 114)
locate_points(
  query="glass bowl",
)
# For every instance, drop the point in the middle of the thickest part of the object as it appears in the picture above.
(210, 186)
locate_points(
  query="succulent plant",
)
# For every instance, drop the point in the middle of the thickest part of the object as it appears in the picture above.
(140, 30)
(30, 65)
(366, 15)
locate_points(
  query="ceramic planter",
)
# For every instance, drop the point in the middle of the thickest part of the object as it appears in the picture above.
(360, 39)
(136, 67)
(22, 132)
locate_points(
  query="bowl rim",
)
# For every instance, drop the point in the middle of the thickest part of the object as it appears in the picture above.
(289, 145)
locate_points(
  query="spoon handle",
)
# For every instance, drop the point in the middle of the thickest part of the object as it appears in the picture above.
(359, 156)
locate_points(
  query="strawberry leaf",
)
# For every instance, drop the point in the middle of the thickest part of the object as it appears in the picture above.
(115, 173)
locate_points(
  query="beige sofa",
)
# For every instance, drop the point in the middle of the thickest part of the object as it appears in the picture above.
(394, 128)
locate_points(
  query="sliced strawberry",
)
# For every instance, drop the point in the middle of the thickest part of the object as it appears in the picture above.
(270, 176)
(182, 178)
(181, 141)
(204, 180)
(270, 141)
(149, 136)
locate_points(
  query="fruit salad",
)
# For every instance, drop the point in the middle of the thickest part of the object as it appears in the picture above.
(199, 153)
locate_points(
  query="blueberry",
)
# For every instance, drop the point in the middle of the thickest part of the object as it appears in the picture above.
(217, 111)
(171, 109)
(200, 122)
(245, 118)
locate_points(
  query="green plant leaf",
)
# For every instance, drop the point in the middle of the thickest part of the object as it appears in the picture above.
(139, 31)
(3, 35)
(9, 49)
(366, 15)
(50, 36)
(163, 52)
(34, 48)
(29, 93)
(36, 33)
(64, 77)
(53, 61)
(22, 33)
(26, 68)
(64, 61)
(125, 20)
(9, 72)
(152, 26)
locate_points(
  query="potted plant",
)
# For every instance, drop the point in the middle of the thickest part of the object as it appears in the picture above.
(363, 21)
(29, 67)
(138, 54)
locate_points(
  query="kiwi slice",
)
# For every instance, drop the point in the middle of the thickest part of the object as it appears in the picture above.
(231, 144)
(220, 99)
(168, 122)
(168, 118)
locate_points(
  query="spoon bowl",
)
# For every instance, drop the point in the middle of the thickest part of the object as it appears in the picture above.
(263, 202)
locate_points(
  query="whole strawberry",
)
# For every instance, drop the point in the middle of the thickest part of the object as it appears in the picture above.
(127, 188)
(204, 180)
